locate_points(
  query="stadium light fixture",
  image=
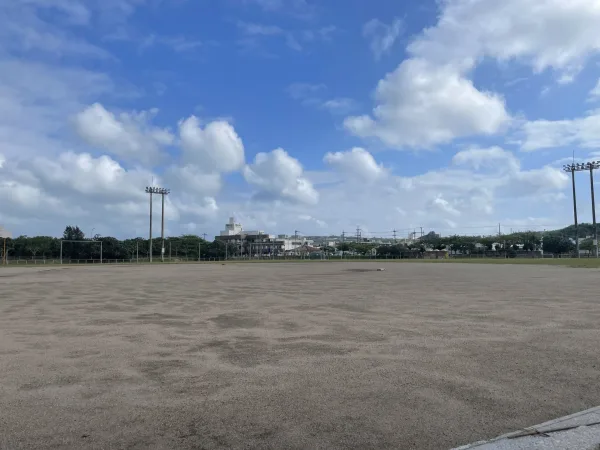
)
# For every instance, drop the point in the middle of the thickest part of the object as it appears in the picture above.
(162, 192)
(580, 167)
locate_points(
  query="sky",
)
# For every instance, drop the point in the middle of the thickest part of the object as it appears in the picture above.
(296, 115)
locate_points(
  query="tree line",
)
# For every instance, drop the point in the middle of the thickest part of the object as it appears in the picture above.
(553, 241)
(194, 247)
(48, 247)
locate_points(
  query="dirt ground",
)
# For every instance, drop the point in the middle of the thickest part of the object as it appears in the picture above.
(304, 355)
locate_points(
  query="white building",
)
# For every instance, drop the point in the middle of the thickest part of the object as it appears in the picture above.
(257, 242)
(232, 228)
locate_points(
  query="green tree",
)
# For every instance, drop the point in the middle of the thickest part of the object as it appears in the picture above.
(557, 244)
(73, 233)
(343, 247)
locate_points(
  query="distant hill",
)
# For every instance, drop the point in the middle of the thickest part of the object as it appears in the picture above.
(585, 229)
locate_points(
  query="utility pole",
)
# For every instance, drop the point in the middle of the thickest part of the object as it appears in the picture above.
(357, 234)
(394, 236)
(421, 231)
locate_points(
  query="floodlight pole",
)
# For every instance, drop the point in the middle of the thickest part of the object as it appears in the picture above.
(150, 252)
(162, 228)
(575, 213)
(578, 168)
(163, 192)
(591, 167)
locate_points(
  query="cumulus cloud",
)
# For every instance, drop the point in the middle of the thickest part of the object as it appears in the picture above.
(36, 101)
(543, 134)
(429, 99)
(494, 158)
(279, 176)
(203, 208)
(420, 105)
(216, 146)
(128, 135)
(540, 33)
(381, 35)
(357, 162)
(70, 187)
(193, 179)
(534, 181)
(444, 206)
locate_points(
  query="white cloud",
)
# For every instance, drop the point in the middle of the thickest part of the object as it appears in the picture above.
(340, 105)
(494, 158)
(216, 147)
(313, 95)
(279, 176)
(304, 91)
(537, 181)
(356, 163)
(595, 93)
(382, 36)
(255, 33)
(298, 8)
(96, 192)
(430, 100)
(71, 185)
(541, 33)
(23, 29)
(543, 134)
(470, 199)
(444, 206)
(308, 218)
(193, 179)
(36, 101)
(255, 29)
(420, 105)
(91, 178)
(177, 43)
(129, 136)
(203, 208)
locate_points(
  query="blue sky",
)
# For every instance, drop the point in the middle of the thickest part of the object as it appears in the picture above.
(451, 115)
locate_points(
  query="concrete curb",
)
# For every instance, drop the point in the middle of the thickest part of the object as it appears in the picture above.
(571, 422)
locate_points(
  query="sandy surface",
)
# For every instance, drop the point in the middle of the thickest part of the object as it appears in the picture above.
(318, 355)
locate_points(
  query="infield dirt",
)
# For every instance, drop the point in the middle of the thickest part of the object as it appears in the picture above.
(313, 355)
